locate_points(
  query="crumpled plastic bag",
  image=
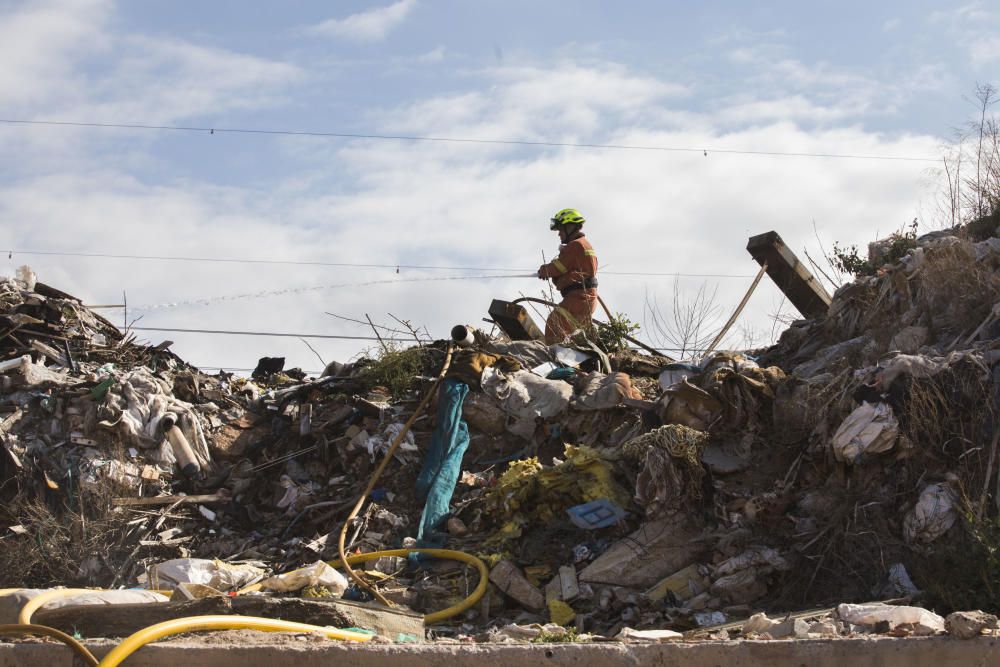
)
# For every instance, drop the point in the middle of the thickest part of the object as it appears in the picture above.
(317, 574)
(870, 614)
(525, 395)
(218, 574)
(870, 429)
(933, 515)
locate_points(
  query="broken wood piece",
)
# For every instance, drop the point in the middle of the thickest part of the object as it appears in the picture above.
(49, 352)
(790, 275)
(169, 500)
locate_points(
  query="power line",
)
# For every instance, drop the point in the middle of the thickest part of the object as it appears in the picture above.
(223, 332)
(350, 265)
(457, 140)
(269, 333)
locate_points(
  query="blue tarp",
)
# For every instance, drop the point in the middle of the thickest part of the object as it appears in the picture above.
(443, 465)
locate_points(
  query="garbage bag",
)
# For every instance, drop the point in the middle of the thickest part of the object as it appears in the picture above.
(317, 574)
(870, 429)
(443, 464)
(525, 395)
(933, 515)
(215, 573)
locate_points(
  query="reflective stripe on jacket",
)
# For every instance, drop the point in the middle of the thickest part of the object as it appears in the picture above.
(576, 262)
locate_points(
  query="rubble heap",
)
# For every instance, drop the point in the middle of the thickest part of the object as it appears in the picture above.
(610, 494)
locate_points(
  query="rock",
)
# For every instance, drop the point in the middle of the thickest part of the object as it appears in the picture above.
(826, 628)
(758, 624)
(793, 627)
(969, 624)
(457, 527)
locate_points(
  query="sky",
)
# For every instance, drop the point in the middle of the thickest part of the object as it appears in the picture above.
(731, 84)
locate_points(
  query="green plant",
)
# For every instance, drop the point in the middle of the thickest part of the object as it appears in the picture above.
(614, 335)
(395, 368)
(887, 251)
(566, 636)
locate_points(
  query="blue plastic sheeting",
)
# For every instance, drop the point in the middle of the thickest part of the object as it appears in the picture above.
(443, 465)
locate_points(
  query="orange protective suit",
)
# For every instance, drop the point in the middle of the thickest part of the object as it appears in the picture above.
(574, 273)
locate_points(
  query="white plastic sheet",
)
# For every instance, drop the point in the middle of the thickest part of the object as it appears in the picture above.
(870, 614)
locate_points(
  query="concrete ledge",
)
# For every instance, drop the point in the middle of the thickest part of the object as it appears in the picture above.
(275, 651)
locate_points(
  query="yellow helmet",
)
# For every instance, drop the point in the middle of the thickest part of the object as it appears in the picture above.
(567, 216)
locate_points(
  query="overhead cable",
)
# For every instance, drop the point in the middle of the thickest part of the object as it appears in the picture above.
(227, 332)
(352, 265)
(458, 140)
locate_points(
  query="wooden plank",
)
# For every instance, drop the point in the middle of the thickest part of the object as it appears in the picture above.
(168, 500)
(789, 274)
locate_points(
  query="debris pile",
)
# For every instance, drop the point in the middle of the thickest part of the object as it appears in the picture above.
(611, 494)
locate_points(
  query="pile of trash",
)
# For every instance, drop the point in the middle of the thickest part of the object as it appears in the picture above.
(610, 494)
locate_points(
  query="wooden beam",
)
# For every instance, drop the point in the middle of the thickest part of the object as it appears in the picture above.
(789, 274)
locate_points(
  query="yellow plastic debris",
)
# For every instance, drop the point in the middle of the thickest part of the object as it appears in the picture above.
(561, 613)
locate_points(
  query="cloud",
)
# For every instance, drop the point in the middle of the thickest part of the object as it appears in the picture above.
(973, 27)
(44, 44)
(68, 63)
(435, 55)
(985, 50)
(474, 205)
(372, 25)
(167, 80)
(891, 25)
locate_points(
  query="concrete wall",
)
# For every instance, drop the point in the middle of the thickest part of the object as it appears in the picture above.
(877, 652)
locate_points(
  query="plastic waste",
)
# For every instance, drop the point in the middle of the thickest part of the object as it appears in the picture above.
(596, 514)
(317, 574)
(648, 635)
(215, 573)
(870, 614)
(870, 429)
(933, 515)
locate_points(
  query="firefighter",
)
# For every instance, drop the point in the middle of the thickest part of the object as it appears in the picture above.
(574, 273)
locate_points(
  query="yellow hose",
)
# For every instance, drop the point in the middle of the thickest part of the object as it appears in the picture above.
(137, 640)
(24, 618)
(449, 554)
(46, 631)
